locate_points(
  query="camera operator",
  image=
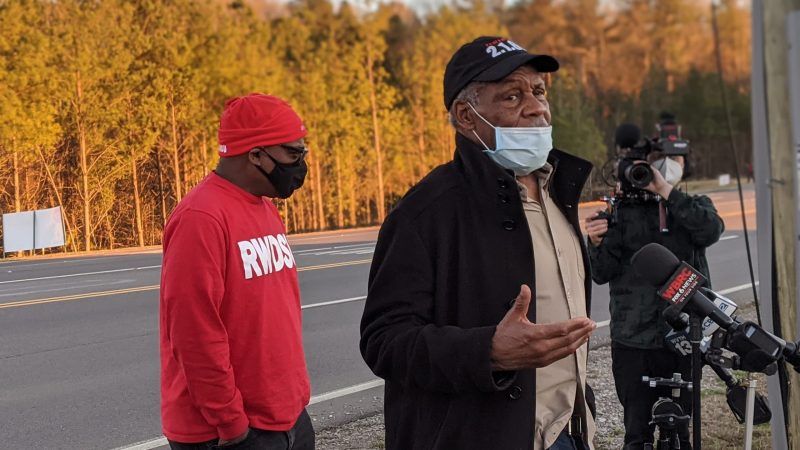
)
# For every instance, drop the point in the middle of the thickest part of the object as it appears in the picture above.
(686, 225)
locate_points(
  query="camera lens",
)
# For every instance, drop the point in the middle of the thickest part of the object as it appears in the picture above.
(639, 175)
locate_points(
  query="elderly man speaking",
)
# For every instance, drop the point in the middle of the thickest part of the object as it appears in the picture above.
(479, 288)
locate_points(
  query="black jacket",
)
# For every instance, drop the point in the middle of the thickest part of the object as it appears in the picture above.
(449, 261)
(636, 310)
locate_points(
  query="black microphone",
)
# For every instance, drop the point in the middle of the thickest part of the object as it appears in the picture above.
(679, 285)
(676, 318)
(627, 135)
(679, 282)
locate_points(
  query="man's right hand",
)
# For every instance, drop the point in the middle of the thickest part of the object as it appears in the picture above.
(596, 228)
(520, 344)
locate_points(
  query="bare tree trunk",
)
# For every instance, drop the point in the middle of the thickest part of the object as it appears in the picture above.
(321, 222)
(376, 133)
(109, 230)
(161, 189)
(204, 155)
(295, 219)
(353, 204)
(59, 199)
(137, 203)
(301, 212)
(599, 86)
(445, 143)
(339, 192)
(175, 156)
(188, 173)
(87, 219)
(419, 114)
(29, 198)
(17, 202)
(26, 190)
(17, 188)
(287, 222)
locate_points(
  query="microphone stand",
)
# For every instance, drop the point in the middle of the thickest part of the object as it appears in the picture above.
(695, 337)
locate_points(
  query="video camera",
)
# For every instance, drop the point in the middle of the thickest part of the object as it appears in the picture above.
(633, 170)
(630, 172)
(669, 136)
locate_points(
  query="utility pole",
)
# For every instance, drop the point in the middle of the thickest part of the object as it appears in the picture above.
(776, 134)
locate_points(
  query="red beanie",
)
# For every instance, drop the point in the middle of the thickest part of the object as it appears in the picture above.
(257, 120)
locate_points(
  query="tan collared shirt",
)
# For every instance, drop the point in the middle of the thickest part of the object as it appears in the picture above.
(560, 296)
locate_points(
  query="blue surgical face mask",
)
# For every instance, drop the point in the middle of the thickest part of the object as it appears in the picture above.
(519, 149)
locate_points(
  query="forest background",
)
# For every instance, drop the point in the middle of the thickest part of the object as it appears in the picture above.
(109, 108)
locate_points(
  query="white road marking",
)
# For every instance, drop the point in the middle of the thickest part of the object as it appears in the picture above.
(360, 249)
(162, 441)
(294, 241)
(66, 288)
(82, 274)
(345, 391)
(333, 302)
(145, 445)
(352, 251)
(733, 289)
(336, 247)
(67, 259)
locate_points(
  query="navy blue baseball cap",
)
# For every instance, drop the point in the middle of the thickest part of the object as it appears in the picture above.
(488, 58)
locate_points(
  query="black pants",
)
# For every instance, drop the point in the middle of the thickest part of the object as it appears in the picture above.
(300, 437)
(637, 398)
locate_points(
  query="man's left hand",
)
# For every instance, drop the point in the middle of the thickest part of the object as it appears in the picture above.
(659, 185)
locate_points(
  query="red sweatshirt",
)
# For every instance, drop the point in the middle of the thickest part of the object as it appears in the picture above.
(231, 338)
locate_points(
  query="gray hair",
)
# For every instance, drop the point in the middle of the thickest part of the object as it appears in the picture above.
(467, 95)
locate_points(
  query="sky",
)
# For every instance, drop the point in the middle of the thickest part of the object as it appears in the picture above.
(424, 6)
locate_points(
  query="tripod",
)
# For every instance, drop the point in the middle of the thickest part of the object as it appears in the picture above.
(670, 414)
(667, 415)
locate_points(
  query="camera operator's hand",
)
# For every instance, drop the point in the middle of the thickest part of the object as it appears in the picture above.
(520, 344)
(659, 185)
(596, 227)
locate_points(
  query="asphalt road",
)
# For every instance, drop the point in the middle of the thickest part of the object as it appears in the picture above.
(79, 361)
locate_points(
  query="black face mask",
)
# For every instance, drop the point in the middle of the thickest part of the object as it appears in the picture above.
(286, 177)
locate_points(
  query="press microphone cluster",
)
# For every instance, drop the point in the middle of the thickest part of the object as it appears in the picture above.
(677, 338)
(680, 284)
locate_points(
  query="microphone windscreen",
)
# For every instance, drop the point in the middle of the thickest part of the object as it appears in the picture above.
(627, 135)
(654, 263)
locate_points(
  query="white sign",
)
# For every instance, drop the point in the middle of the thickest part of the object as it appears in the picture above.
(17, 231)
(33, 230)
(49, 228)
(724, 179)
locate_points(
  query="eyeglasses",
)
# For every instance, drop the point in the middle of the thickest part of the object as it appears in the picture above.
(298, 153)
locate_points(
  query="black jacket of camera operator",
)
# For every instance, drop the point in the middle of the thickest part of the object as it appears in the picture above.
(693, 225)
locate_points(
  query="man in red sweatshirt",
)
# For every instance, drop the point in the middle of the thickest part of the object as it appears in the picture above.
(233, 372)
